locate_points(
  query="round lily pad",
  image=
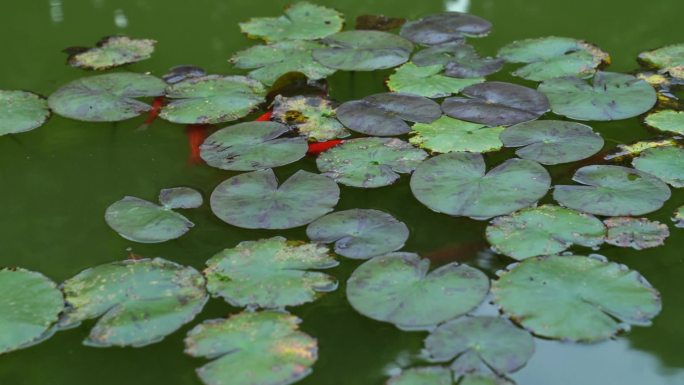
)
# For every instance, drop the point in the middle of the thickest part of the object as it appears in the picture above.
(543, 230)
(448, 135)
(426, 375)
(301, 21)
(666, 163)
(460, 60)
(667, 120)
(138, 302)
(359, 233)
(21, 111)
(613, 191)
(106, 98)
(141, 221)
(253, 348)
(397, 288)
(112, 51)
(637, 233)
(270, 273)
(312, 117)
(252, 146)
(212, 99)
(610, 96)
(456, 184)
(552, 141)
(678, 217)
(497, 104)
(369, 162)
(255, 201)
(445, 28)
(363, 51)
(29, 306)
(427, 81)
(575, 298)
(669, 59)
(180, 198)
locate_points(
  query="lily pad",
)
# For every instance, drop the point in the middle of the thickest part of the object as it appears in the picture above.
(427, 375)
(637, 233)
(312, 117)
(359, 233)
(397, 288)
(460, 60)
(21, 111)
(180, 198)
(252, 146)
(613, 191)
(253, 348)
(363, 51)
(29, 306)
(543, 230)
(141, 221)
(212, 99)
(575, 298)
(106, 98)
(679, 217)
(112, 51)
(448, 135)
(445, 27)
(668, 59)
(610, 96)
(369, 162)
(667, 120)
(270, 273)
(666, 163)
(255, 201)
(497, 104)
(427, 81)
(623, 151)
(138, 302)
(552, 141)
(456, 184)
(386, 114)
(301, 21)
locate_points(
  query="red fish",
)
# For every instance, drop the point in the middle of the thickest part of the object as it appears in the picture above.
(197, 133)
(157, 104)
(265, 117)
(319, 147)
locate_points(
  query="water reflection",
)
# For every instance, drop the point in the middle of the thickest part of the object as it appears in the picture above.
(457, 5)
(56, 11)
(120, 19)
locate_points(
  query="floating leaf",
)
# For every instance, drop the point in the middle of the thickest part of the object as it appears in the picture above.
(635, 148)
(29, 306)
(180, 198)
(141, 221)
(666, 163)
(445, 27)
(552, 141)
(427, 81)
(251, 146)
(270, 273)
(448, 135)
(497, 104)
(255, 201)
(669, 59)
(637, 233)
(301, 21)
(456, 184)
(138, 302)
(575, 298)
(311, 116)
(460, 60)
(106, 98)
(369, 162)
(252, 348)
(358, 233)
(427, 375)
(378, 22)
(112, 51)
(667, 120)
(543, 230)
(397, 288)
(179, 73)
(611, 96)
(613, 191)
(363, 51)
(21, 111)
(679, 217)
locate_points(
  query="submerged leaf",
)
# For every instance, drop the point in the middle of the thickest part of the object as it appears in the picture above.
(637, 233)
(666, 163)
(445, 27)
(363, 51)
(312, 117)
(141, 221)
(448, 135)
(460, 60)
(427, 81)
(113, 51)
(378, 22)
(21, 111)
(180, 198)
(668, 59)
(678, 217)
(635, 148)
(426, 375)
(301, 21)
(667, 120)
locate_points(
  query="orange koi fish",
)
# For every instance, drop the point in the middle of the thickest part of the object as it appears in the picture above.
(197, 133)
(157, 104)
(319, 147)
(265, 117)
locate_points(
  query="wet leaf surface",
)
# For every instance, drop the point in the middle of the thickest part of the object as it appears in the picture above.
(21, 111)
(667, 120)
(427, 81)
(668, 59)
(141, 221)
(312, 117)
(180, 198)
(112, 51)
(666, 163)
(426, 375)
(460, 60)
(301, 21)
(637, 233)
(445, 27)
(448, 135)
(363, 51)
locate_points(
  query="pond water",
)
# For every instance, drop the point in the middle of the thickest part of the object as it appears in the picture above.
(56, 181)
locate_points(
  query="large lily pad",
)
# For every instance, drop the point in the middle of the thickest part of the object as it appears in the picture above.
(386, 114)
(301, 21)
(253, 348)
(255, 201)
(141, 221)
(427, 81)
(456, 184)
(678, 217)
(359, 233)
(666, 163)
(270, 273)
(252, 146)
(610, 96)
(106, 98)
(369, 162)
(445, 27)
(29, 306)
(668, 59)
(552, 141)
(112, 51)
(497, 104)
(180, 198)
(21, 111)
(543, 230)
(312, 117)
(397, 288)
(460, 60)
(138, 302)
(448, 135)
(212, 99)
(363, 51)
(667, 120)
(426, 375)
(575, 298)
(637, 233)
(613, 191)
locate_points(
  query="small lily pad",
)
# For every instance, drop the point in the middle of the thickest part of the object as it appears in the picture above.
(637, 233)
(460, 60)
(252, 146)
(666, 163)
(552, 141)
(497, 104)
(543, 230)
(21, 111)
(255, 201)
(112, 51)
(613, 191)
(679, 217)
(445, 27)
(363, 51)
(359, 233)
(575, 298)
(668, 59)
(301, 21)
(397, 288)
(138, 302)
(180, 198)
(426, 375)
(29, 306)
(141, 221)
(106, 98)
(270, 273)
(427, 81)
(456, 184)
(369, 162)
(448, 135)
(312, 117)
(667, 120)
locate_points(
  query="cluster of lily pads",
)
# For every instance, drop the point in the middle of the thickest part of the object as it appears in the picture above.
(549, 293)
